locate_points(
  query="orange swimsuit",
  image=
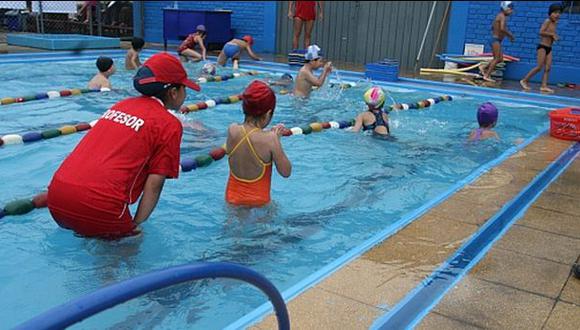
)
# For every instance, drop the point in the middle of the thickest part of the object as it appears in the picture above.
(255, 192)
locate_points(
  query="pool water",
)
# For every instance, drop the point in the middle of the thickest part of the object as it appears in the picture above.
(344, 188)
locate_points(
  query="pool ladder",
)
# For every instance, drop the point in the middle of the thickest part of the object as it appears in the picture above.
(81, 308)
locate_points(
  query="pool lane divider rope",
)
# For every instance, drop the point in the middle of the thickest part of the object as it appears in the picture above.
(23, 206)
(51, 95)
(189, 164)
(225, 77)
(210, 103)
(45, 135)
(418, 303)
(10, 139)
(421, 104)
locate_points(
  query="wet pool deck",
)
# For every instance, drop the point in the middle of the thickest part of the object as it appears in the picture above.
(523, 282)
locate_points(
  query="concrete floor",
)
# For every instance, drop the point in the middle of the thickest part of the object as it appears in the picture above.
(523, 282)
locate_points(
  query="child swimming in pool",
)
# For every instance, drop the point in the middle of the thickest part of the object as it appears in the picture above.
(106, 68)
(251, 150)
(374, 118)
(487, 116)
(132, 61)
(284, 83)
(233, 50)
(306, 79)
(285, 80)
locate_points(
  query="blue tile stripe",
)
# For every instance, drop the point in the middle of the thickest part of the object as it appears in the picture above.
(411, 310)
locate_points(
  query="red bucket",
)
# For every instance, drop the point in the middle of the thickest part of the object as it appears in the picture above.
(565, 124)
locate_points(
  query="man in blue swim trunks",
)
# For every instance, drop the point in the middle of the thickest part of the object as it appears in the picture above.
(499, 32)
(234, 48)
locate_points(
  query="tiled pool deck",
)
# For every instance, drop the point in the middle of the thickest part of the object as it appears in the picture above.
(523, 282)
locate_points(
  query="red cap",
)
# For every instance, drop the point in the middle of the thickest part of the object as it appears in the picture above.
(248, 39)
(258, 98)
(166, 69)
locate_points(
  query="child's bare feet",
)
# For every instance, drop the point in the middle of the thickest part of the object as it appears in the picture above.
(525, 85)
(546, 89)
(488, 79)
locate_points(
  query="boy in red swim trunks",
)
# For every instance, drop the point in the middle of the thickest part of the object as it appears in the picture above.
(304, 15)
(251, 150)
(128, 154)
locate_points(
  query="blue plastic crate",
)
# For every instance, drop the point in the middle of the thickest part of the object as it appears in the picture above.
(386, 70)
(381, 76)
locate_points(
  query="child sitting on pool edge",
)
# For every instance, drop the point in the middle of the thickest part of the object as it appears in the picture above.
(487, 116)
(251, 150)
(374, 118)
(106, 68)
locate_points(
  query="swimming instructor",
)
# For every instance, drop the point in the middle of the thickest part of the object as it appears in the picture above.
(128, 154)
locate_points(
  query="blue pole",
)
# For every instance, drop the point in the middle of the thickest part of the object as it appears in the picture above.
(81, 308)
(138, 19)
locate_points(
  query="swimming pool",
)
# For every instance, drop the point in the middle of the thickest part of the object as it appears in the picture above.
(344, 188)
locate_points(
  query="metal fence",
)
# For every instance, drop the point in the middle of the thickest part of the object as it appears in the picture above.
(103, 18)
(366, 31)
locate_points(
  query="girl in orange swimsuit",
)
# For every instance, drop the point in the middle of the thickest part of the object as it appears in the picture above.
(251, 150)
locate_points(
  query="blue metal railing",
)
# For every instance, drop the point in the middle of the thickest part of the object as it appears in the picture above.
(81, 308)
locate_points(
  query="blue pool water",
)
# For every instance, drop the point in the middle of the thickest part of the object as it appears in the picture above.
(344, 188)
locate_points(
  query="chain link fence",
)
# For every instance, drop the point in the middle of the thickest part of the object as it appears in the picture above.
(102, 18)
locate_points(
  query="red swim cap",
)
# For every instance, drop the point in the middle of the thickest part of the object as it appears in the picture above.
(248, 39)
(258, 98)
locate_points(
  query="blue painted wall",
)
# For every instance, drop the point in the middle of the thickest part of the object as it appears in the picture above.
(256, 18)
(470, 22)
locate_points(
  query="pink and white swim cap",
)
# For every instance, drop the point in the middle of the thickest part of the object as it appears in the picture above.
(375, 97)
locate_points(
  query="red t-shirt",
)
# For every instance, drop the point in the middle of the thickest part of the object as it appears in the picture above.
(133, 139)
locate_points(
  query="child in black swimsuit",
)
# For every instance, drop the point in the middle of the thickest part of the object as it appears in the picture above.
(374, 118)
(544, 50)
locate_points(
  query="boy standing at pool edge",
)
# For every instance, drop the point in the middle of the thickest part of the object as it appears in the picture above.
(544, 50)
(499, 32)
